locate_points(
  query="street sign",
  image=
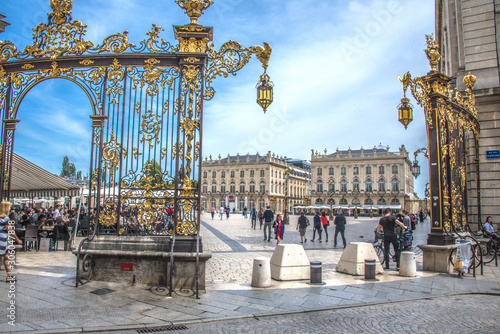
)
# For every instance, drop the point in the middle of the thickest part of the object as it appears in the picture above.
(494, 154)
(231, 197)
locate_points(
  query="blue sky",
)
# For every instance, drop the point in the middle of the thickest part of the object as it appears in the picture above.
(334, 65)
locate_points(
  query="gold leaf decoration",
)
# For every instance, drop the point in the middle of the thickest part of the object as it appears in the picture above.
(27, 66)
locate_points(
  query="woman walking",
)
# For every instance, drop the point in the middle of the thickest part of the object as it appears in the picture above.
(302, 226)
(325, 223)
(6, 232)
(280, 228)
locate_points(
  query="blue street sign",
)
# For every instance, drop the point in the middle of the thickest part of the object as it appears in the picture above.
(495, 154)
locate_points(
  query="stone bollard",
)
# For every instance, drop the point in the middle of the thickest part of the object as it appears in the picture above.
(408, 265)
(370, 269)
(316, 275)
(261, 273)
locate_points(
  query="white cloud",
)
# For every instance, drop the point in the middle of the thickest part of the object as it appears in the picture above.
(334, 64)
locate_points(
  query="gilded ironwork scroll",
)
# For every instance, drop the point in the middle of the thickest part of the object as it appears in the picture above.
(450, 116)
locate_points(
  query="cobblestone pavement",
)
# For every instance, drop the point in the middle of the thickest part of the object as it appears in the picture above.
(234, 245)
(457, 314)
(47, 300)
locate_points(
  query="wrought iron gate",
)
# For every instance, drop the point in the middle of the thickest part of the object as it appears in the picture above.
(147, 113)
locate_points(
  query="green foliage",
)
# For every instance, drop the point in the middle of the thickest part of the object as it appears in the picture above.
(154, 175)
(68, 168)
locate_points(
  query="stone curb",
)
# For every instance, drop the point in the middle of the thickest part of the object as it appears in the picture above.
(118, 328)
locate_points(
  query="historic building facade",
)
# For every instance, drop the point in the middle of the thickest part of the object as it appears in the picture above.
(247, 180)
(361, 180)
(468, 33)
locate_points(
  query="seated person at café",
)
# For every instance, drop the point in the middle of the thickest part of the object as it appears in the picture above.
(60, 232)
(489, 230)
(25, 221)
(41, 221)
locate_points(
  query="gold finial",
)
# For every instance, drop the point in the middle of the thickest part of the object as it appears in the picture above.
(194, 8)
(470, 81)
(432, 52)
(61, 9)
(406, 79)
(263, 53)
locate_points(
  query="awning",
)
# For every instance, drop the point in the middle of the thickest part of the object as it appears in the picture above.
(29, 180)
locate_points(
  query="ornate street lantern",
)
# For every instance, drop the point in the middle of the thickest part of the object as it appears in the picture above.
(405, 112)
(264, 91)
(415, 169)
(405, 108)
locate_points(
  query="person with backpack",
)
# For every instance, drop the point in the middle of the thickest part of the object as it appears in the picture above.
(261, 217)
(388, 224)
(253, 216)
(302, 225)
(268, 221)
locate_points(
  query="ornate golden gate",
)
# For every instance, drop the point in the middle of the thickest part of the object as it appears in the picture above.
(147, 111)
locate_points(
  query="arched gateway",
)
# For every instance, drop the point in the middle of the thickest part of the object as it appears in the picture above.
(147, 116)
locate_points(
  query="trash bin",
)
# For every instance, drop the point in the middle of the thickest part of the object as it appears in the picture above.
(462, 260)
(316, 272)
(261, 274)
(370, 269)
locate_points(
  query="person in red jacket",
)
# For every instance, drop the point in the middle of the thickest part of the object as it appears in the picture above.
(280, 228)
(325, 223)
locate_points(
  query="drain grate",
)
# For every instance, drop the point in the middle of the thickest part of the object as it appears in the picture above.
(162, 329)
(101, 292)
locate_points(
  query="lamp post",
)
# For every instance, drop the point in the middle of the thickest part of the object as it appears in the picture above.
(307, 201)
(449, 116)
(356, 193)
(273, 200)
(369, 194)
(287, 177)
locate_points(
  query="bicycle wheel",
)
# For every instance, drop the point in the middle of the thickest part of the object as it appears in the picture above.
(489, 251)
(380, 253)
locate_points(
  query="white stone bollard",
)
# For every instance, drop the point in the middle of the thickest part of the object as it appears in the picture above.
(353, 258)
(261, 273)
(289, 263)
(408, 265)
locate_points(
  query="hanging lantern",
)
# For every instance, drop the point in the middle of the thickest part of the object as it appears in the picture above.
(405, 112)
(264, 92)
(415, 169)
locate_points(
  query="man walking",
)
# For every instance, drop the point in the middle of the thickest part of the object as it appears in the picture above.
(221, 210)
(339, 222)
(253, 215)
(268, 221)
(317, 226)
(408, 224)
(388, 224)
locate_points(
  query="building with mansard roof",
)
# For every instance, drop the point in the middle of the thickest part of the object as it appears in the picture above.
(361, 180)
(247, 180)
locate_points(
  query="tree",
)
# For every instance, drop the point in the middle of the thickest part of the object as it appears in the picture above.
(79, 175)
(68, 168)
(154, 172)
